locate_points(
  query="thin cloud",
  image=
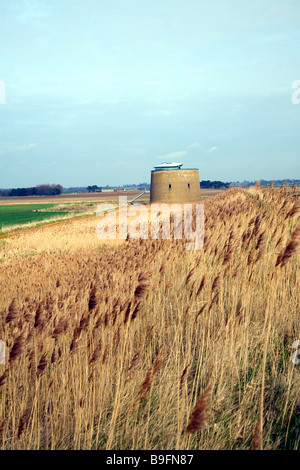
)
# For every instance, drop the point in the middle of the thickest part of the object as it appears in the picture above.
(212, 149)
(172, 156)
(194, 145)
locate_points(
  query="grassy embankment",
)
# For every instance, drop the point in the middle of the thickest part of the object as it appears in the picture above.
(150, 346)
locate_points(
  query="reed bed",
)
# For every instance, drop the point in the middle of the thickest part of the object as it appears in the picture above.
(150, 346)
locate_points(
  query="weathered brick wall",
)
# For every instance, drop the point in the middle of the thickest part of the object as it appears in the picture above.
(175, 186)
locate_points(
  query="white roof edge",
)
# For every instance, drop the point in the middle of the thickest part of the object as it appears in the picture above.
(168, 164)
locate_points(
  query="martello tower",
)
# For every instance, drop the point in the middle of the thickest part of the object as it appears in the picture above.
(172, 184)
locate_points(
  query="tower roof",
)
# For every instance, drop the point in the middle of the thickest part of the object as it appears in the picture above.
(168, 166)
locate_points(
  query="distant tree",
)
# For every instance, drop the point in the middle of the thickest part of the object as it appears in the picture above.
(205, 184)
(49, 189)
(41, 190)
(92, 189)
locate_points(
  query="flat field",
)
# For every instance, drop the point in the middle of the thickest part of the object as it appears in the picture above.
(74, 198)
(90, 197)
(24, 213)
(29, 211)
(143, 344)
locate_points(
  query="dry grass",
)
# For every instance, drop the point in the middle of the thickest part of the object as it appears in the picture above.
(149, 346)
(76, 235)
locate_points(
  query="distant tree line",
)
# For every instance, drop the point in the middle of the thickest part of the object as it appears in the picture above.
(205, 184)
(287, 182)
(41, 190)
(93, 188)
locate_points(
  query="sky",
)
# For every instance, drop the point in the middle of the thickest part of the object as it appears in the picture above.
(101, 91)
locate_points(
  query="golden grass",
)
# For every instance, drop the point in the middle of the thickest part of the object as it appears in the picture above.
(52, 220)
(149, 346)
(77, 234)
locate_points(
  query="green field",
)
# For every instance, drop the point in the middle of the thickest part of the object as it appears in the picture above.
(14, 215)
(24, 213)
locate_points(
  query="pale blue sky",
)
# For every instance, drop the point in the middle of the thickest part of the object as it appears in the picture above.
(100, 91)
